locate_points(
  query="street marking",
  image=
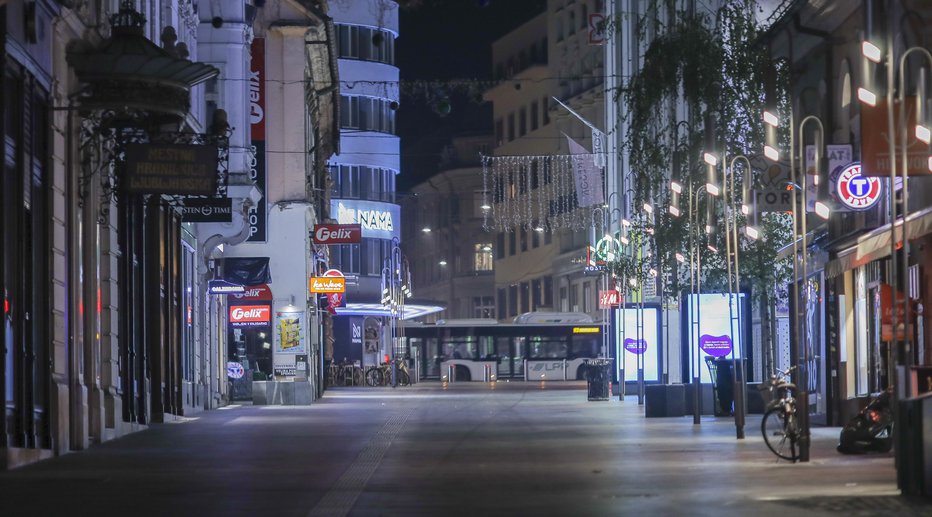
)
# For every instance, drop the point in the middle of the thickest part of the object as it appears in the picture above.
(339, 500)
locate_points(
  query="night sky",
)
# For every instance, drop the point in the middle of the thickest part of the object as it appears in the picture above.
(446, 41)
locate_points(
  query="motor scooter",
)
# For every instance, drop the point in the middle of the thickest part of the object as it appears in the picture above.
(871, 429)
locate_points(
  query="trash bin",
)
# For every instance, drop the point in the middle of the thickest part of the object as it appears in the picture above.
(721, 370)
(598, 378)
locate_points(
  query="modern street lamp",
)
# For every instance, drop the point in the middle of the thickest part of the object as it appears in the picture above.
(396, 286)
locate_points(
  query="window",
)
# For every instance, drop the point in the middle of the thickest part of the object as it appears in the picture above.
(587, 296)
(512, 241)
(501, 304)
(347, 258)
(574, 298)
(545, 110)
(483, 257)
(534, 108)
(584, 19)
(522, 122)
(499, 132)
(571, 23)
(513, 300)
(366, 114)
(365, 43)
(511, 127)
(500, 247)
(564, 302)
(535, 236)
(559, 27)
(483, 307)
(548, 291)
(524, 239)
(525, 297)
(536, 293)
(548, 236)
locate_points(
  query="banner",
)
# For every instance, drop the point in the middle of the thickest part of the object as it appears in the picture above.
(257, 172)
(587, 176)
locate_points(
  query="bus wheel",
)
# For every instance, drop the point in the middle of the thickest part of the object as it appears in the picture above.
(581, 373)
(462, 373)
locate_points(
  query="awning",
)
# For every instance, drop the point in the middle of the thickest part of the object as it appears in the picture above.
(876, 243)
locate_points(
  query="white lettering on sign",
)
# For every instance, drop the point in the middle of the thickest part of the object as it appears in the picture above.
(325, 234)
(240, 313)
(256, 114)
(369, 219)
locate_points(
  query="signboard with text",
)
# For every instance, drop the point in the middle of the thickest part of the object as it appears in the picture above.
(719, 334)
(337, 233)
(174, 169)
(246, 316)
(257, 173)
(377, 220)
(216, 210)
(638, 348)
(875, 142)
(223, 287)
(609, 299)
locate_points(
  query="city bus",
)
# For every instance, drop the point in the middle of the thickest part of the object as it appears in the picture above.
(537, 346)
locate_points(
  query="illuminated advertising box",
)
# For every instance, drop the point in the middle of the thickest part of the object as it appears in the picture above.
(378, 220)
(632, 347)
(245, 316)
(718, 335)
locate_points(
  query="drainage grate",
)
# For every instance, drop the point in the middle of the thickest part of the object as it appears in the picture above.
(339, 500)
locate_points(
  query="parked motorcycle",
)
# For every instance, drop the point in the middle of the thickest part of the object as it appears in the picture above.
(869, 430)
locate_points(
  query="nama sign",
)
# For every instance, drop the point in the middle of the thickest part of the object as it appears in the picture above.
(856, 191)
(330, 284)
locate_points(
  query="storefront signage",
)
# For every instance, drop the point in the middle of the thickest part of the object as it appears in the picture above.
(635, 346)
(174, 169)
(250, 316)
(223, 287)
(289, 332)
(327, 285)
(377, 220)
(717, 346)
(855, 191)
(609, 299)
(886, 315)
(235, 370)
(254, 293)
(256, 216)
(209, 210)
(875, 144)
(337, 233)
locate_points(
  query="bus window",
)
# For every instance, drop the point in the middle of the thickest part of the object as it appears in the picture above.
(463, 348)
(487, 348)
(585, 346)
(548, 348)
(433, 359)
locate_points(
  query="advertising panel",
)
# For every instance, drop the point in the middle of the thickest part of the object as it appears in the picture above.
(337, 233)
(377, 220)
(631, 349)
(718, 335)
(289, 333)
(257, 168)
(245, 316)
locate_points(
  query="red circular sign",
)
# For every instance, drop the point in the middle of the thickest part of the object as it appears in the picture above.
(855, 191)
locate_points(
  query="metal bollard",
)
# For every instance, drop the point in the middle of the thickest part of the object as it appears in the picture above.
(486, 373)
(451, 372)
(564, 369)
(525, 371)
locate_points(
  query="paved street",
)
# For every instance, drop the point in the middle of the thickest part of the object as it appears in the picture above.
(465, 449)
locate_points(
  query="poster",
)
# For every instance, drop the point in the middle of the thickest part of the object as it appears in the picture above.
(719, 335)
(289, 333)
(631, 349)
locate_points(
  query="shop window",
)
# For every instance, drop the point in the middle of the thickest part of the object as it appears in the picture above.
(483, 257)
(512, 300)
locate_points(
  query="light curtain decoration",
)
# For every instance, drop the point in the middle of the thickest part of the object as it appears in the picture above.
(533, 192)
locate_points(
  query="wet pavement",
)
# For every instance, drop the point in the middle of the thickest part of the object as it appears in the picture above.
(463, 449)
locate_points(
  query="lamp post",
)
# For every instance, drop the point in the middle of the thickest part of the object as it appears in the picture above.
(396, 283)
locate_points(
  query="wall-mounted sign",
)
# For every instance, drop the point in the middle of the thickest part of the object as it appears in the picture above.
(250, 316)
(235, 370)
(609, 299)
(257, 213)
(337, 233)
(597, 29)
(207, 210)
(856, 191)
(223, 287)
(378, 220)
(289, 333)
(184, 170)
(254, 293)
(875, 143)
(327, 284)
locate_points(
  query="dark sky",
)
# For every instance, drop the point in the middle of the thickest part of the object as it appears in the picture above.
(445, 41)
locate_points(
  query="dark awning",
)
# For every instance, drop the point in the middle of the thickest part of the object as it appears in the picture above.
(247, 270)
(875, 244)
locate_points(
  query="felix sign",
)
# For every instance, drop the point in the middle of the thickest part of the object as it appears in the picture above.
(250, 315)
(337, 233)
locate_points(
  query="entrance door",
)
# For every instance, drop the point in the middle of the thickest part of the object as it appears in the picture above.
(503, 351)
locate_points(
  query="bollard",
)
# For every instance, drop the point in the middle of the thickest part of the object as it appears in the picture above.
(451, 372)
(525, 371)
(487, 373)
(564, 369)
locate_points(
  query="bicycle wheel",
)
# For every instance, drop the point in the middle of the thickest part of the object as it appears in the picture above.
(779, 430)
(374, 376)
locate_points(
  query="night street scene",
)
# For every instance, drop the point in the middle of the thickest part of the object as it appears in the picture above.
(466, 258)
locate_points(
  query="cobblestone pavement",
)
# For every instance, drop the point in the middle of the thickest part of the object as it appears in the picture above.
(463, 449)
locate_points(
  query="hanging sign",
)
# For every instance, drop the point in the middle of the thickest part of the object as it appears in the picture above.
(209, 210)
(254, 293)
(337, 233)
(174, 169)
(609, 299)
(223, 287)
(886, 315)
(875, 143)
(856, 191)
(235, 370)
(257, 164)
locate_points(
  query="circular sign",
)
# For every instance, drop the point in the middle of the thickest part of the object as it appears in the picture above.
(235, 370)
(608, 248)
(855, 191)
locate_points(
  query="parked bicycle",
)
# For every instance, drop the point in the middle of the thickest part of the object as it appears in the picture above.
(780, 425)
(382, 375)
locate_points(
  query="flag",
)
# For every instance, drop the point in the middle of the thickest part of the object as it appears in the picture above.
(588, 177)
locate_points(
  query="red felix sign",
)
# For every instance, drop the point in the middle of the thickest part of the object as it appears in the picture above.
(250, 315)
(337, 233)
(609, 299)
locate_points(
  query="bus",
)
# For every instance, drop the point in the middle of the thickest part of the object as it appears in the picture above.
(538, 346)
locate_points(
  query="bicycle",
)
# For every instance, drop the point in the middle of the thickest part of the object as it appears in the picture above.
(381, 375)
(780, 426)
